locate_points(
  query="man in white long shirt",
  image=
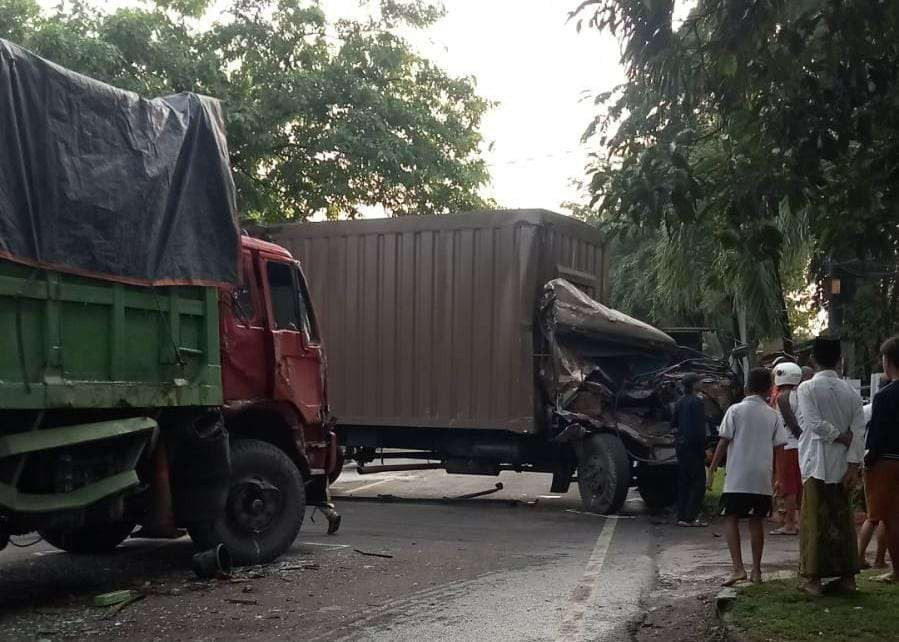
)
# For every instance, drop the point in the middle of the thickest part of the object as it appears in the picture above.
(831, 449)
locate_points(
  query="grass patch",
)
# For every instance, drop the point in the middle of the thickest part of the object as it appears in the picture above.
(713, 497)
(778, 610)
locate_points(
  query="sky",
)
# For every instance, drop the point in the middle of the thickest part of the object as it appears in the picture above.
(527, 58)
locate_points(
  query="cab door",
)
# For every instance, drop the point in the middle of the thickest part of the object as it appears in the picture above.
(296, 350)
(245, 361)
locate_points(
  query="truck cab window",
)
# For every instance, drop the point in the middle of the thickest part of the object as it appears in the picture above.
(307, 313)
(243, 295)
(284, 296)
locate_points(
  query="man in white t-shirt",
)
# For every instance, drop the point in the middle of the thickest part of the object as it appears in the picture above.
(750, 432)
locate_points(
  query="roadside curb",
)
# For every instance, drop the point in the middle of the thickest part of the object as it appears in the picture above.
(727, 597)
(724, 603)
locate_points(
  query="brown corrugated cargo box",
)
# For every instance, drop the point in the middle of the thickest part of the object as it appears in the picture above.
(429, 321)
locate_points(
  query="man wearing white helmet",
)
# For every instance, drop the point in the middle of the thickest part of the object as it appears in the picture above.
(787, 376)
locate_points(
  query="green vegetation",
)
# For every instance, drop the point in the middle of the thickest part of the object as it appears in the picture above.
(323, 116)
(778, 610)
(754, 148)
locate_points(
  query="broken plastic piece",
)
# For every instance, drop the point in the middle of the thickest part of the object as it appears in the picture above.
(116, 597)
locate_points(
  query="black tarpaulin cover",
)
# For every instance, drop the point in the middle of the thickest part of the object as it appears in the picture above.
(99, 181)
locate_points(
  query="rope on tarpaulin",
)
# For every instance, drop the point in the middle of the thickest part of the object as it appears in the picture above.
(20, 341)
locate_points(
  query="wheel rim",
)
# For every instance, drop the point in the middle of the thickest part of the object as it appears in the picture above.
(254, 504)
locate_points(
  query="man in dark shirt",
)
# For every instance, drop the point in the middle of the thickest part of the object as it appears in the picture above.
(882, 460)
(689, 423)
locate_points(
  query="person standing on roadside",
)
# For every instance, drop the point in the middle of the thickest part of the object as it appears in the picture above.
(689, 423)
(871, 527)
(830, 454)
(750, 433)
(787, 377)
(882, 459)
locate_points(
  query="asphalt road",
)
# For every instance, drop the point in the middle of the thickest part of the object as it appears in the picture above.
(521, 564)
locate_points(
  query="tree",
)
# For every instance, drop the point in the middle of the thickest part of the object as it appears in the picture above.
(754, 119)
(322, 116)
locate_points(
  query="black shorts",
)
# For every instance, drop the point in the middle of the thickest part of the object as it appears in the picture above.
(745, 505)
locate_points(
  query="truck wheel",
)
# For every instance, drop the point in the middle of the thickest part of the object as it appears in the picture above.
(89, 539)
(604, 473)
(657, 486)
(265, 509)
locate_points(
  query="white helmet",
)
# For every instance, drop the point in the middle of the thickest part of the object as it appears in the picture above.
(787, 374)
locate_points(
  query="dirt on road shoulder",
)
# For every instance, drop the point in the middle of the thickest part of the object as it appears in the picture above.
(691, 563)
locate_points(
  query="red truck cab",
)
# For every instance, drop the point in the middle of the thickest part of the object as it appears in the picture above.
(283, 450)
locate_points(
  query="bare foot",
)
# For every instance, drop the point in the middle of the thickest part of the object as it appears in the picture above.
(733, 579)
(756, 577)
(813, 588)
(879, 564)
(864, 565)
(889, 578)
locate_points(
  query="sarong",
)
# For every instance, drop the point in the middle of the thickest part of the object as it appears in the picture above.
(827, 543)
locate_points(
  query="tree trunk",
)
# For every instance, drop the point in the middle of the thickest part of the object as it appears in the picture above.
(786, 327)
(744, 337)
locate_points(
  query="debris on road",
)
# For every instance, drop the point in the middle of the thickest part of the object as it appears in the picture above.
(116, 609)
(367, 554)
(215, 562)
(299, 567)
(495, 489)
(116, 597)
(580, 512)
(236, 600)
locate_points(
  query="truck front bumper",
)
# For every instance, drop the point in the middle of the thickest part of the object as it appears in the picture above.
(128, 437)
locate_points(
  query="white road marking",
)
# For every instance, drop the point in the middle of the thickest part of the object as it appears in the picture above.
(581, 598)
(365, 486)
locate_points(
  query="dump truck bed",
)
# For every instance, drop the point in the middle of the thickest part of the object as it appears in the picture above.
(430, 321)
(77, 342)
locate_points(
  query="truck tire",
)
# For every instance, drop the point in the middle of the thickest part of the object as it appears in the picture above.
(265, 508)
(88, 540)
(657, 486)
(604, 473)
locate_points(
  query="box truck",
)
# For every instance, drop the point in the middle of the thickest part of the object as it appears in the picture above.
(478, 342)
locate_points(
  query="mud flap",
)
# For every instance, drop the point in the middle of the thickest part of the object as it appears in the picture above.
(201, 468)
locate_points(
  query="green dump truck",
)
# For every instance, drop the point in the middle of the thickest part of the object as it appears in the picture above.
(79, 357)
(157, 368)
